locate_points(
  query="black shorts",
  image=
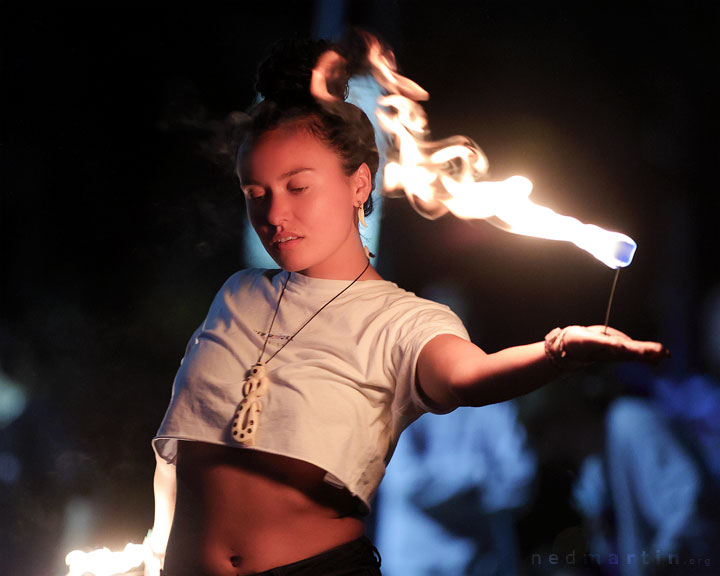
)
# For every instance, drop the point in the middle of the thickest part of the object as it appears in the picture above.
(356, 558)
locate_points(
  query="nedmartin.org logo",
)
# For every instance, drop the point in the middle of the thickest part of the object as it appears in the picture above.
(644, 558)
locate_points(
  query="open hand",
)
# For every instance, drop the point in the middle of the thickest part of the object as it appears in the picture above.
(578, 345)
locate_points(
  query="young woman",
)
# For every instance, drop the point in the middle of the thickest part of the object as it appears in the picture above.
(293, 391)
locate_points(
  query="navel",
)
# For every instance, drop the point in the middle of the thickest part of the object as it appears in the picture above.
(235, 561)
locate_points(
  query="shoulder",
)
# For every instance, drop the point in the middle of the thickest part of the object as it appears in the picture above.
(244, 284)
(400, 300)
(406, 313)
(249, 274)
(250, 277)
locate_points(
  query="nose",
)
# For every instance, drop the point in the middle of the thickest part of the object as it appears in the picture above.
(277, 209)
(272, 210)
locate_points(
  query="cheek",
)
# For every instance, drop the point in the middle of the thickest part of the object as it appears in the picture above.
(339, 204)
(255, 215)
(331, 213)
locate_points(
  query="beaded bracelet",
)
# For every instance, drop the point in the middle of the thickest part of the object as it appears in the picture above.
(555, 348)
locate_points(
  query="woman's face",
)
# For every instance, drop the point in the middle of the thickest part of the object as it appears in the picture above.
(301, 203)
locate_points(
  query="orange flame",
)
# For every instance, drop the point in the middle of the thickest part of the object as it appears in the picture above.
(150, 553)
(103, 562)
(448, 175)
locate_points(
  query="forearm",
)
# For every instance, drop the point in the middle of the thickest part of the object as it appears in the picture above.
(164, 485)
(479, 380)
(453, 372)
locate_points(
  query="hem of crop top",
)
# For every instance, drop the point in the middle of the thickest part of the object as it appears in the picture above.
(329, 478)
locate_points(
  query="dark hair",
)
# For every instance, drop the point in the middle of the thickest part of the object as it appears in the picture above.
(283, 81)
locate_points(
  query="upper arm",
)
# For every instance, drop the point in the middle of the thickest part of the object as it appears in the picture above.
(440, 368)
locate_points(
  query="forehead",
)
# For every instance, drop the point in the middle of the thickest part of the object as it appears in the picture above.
(283, 150)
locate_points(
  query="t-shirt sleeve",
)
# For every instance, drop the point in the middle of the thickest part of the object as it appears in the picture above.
(416, 328)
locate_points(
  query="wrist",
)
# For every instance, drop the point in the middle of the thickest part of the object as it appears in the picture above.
(557, 353)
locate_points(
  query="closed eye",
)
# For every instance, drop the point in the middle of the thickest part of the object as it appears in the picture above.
(253, 193)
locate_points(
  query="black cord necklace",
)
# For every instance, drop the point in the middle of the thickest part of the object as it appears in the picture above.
(247, 415)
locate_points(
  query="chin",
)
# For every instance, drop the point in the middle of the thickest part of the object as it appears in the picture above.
(289, 264)
(296, 260)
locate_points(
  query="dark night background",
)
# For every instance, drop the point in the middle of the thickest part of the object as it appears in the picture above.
(116, 231)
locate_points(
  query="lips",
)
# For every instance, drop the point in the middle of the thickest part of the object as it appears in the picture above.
(285, 241)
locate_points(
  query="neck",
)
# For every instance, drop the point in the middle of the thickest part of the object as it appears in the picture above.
(363, 271)
(344, 265)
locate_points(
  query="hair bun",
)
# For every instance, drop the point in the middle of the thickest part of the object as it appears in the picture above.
(284, 76)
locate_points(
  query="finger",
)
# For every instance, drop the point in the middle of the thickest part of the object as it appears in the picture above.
(647, 348)
(638, 350)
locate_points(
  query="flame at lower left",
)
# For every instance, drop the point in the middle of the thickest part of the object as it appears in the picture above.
(104, 562)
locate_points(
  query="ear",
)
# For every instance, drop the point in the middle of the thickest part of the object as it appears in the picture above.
(362, 183)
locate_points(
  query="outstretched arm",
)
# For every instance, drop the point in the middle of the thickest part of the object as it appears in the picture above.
(164, 485)
(453, 372)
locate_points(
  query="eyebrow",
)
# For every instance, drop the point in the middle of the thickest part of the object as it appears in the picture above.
(283, 176)
(296, 171)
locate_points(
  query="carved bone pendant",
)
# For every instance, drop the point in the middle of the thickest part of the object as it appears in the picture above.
(247, 415)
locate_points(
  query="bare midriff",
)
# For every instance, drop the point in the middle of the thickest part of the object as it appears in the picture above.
(241, 511)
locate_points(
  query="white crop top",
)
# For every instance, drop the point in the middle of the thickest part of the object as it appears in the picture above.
(340, 393)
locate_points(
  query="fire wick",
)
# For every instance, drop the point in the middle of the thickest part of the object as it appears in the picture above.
(612, 293)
